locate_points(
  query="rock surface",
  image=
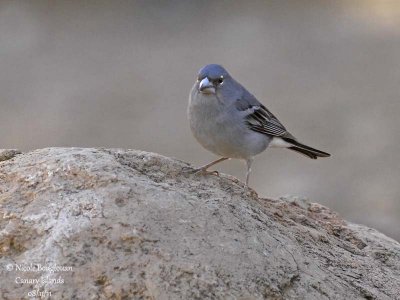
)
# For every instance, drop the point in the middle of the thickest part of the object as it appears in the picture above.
(125, 224)
(6, 154)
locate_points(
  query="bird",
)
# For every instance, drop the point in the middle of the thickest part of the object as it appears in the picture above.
(227, 120)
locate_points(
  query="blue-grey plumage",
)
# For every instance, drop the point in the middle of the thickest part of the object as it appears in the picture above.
(230, 122)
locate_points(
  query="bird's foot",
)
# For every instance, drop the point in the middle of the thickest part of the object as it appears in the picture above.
(202, 171)
(199, 171)
(188, 170)
(249, 191)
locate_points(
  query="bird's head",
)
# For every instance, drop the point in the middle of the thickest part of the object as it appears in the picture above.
(211, 79)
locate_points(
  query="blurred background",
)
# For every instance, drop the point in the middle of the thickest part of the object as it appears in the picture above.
(118, 74)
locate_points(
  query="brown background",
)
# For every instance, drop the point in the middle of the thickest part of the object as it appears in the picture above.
(118, 74)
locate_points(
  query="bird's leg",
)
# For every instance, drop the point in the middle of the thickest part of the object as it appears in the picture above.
(203, 169)
(248, 162)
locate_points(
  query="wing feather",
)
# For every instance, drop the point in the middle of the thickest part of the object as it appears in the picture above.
(261, 120)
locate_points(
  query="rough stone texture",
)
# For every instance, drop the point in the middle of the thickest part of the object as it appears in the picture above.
(6, 154)
(132, 225)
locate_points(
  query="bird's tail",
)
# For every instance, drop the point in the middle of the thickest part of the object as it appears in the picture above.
(305, 150)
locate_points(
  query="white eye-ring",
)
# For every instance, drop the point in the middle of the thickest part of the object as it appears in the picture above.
(220, 80)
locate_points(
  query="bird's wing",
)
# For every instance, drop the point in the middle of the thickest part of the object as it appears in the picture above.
(259, 118)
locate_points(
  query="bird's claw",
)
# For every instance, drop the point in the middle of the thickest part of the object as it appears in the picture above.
(188, 170)
(205, 172)
(200, 171)
(215, 173)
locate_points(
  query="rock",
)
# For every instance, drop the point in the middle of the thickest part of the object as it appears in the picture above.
(6, 154)
(125, 224)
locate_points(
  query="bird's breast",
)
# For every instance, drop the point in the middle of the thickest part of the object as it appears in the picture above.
(220, 130)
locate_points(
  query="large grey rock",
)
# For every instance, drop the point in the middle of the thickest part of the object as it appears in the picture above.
(125, 224)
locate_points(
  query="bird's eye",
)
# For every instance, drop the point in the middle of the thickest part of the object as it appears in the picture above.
(220, 80)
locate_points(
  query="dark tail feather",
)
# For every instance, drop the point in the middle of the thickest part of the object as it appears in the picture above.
(306, 150)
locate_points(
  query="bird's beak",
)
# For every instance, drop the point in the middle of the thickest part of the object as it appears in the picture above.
(206, 87)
